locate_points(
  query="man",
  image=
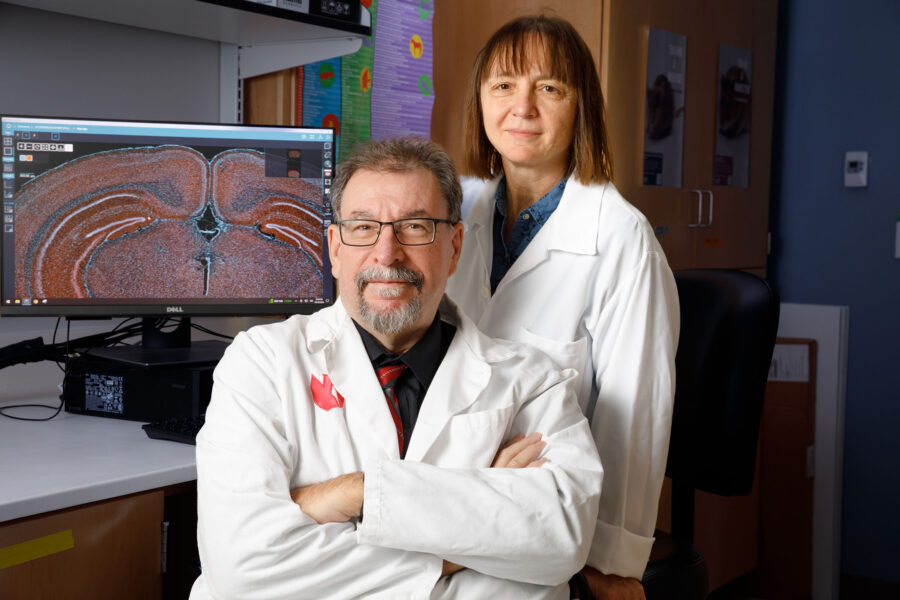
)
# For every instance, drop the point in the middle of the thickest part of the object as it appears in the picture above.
(319, 479)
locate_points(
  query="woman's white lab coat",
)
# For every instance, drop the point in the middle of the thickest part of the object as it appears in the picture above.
(594, 291)
(297, 402)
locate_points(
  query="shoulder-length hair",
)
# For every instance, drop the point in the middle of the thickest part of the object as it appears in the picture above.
(512, 48)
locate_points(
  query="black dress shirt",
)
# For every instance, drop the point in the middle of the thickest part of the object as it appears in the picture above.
(422, 359)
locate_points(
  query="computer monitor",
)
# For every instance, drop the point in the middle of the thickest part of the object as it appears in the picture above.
(141, 218)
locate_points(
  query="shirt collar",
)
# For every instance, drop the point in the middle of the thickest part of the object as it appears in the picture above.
(541, 210)
(423, 359)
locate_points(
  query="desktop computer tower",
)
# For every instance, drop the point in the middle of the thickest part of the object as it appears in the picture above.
(109, 388)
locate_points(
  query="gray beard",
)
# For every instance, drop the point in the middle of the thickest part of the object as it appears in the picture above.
(390, 322)
(394, 321)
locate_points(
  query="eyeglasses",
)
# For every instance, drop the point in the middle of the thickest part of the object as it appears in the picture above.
(409, 232)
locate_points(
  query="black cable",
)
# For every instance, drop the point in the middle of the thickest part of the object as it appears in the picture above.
(55, 330)
(211, 332)
(56, 409)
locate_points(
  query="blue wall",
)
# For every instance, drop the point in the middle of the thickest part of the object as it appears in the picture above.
(839, 90)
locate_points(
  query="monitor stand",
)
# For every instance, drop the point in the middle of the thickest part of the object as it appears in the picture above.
(165, 348)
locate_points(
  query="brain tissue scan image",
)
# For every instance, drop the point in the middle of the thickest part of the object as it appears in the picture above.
(167, 221)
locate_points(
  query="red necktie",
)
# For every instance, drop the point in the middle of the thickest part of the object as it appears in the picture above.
(387, 377)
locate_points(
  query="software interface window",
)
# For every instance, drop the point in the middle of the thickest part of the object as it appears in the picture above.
(99, 212)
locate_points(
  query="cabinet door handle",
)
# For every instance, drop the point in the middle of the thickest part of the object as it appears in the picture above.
(712, 201)
(699, 222)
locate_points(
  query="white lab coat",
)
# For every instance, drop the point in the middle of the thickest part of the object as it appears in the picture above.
(264, 435)
(594, 291)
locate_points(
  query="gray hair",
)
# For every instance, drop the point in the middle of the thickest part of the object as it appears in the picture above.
(401, 155)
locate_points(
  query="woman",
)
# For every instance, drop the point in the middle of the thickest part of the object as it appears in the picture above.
(554, 256)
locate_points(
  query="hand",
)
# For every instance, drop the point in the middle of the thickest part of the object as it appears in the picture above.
(613, 587)
(334, 501)
(521, 452)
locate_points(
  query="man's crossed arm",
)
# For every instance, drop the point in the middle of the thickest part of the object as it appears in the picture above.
(340, 499)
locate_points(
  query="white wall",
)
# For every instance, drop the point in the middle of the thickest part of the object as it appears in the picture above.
(57, 65)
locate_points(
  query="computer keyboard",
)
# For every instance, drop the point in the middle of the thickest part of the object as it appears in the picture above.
(182, 430)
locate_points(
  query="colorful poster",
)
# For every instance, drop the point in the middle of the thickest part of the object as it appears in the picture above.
(664, 108)
(403, 93)
(298, 97)
(356, 91)
(732, 162)
(322, 95)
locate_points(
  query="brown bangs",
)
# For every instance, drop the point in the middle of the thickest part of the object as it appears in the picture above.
(522, 50)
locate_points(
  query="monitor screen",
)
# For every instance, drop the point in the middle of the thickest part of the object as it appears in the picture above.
(140, 218)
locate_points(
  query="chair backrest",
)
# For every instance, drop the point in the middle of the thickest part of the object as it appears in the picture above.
(729, 321)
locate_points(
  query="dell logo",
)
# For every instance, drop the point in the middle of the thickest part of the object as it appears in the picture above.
(174, 309)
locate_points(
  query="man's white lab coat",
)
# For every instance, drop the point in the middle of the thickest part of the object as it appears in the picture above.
(594, 291)
(297, 402)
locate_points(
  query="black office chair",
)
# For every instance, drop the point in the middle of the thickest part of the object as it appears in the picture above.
(729, 321)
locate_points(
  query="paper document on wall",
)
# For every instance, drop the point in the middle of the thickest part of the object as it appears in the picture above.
(664, 108)
(732, 161)
(790, 362)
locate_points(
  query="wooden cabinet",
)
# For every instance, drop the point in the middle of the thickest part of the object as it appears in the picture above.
(142, 545)
(737, 236)
(108, 549)
(616, 31)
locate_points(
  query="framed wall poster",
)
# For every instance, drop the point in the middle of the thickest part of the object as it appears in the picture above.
(664, 108)
(732, 159)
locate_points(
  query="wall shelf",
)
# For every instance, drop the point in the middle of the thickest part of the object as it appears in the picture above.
(216, 20)
(255, 38)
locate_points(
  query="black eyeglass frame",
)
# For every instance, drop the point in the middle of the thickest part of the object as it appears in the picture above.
(393, 225)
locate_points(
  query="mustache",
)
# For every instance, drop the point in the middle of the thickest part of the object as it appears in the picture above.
(402, 274)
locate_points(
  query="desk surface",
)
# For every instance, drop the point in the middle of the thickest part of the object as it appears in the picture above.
(76, 459)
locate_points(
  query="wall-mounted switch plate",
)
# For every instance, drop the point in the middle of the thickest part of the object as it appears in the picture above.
(856, 169)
